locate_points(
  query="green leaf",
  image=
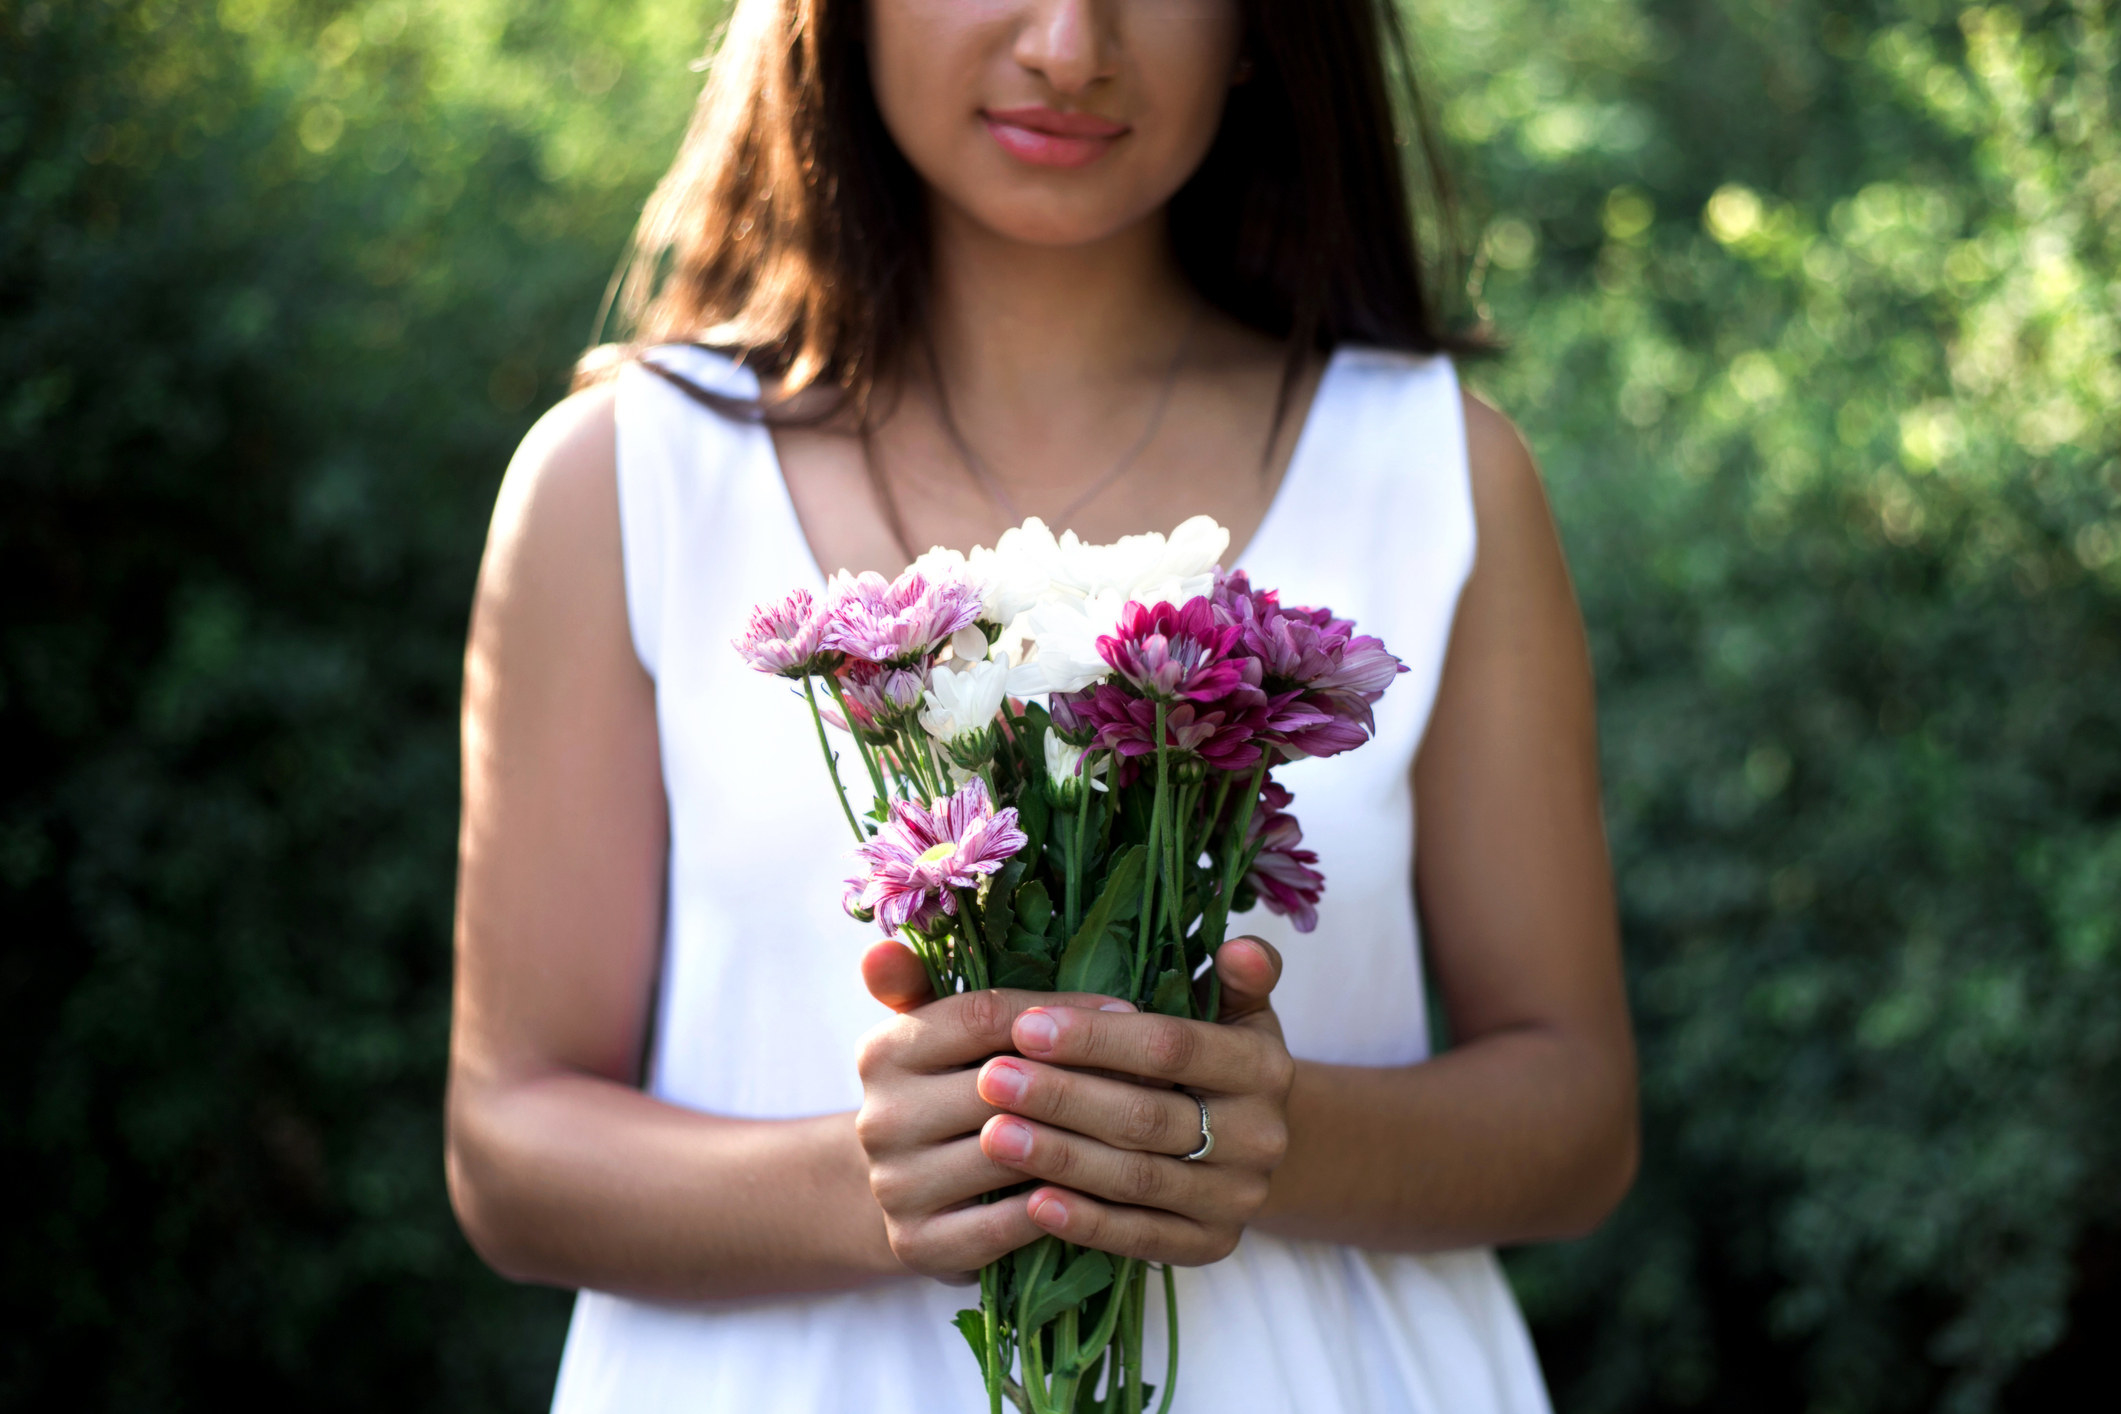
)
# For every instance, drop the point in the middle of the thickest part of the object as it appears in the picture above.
(1045, 945)
(1024, 970)
(999, 912)
(1034, 907)
(1173, 995)
(1098, 964)
(1032, 816)
(1087, 1275)
(973, 1326)
(1096, 961)
(1129, 906)
(1029, 1261)
(1035, 724)
(1087, 1402)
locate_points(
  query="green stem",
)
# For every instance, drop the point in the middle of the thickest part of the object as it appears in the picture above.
(913, 764)
(973, 957)
(937, 776)
(1222, 796)
(925, 951)
(1150, 875)
(1175, 881)
(1067, 1368)
(1131, 1400)
(1101, 1334)
(876, 776)
(1214, 926)
(989, 1295)
(1163, 1404)
(1077, 863)
(832, 761)
(1027, 1341)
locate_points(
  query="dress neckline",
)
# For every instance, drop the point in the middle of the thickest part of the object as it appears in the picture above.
(1299, 457)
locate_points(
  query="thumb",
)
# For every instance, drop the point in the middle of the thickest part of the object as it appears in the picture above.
(1249, 968)
(895, 976)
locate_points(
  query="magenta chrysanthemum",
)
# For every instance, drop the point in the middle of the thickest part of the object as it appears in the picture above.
(921, 857)
(1282, 875)
(784, 638)
(1171, 652)
(1126, 725)
(1323, 678)
(897, 622)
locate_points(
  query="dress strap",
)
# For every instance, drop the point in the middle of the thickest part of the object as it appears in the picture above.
(671, 448)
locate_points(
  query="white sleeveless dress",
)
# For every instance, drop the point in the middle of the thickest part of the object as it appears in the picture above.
(761, 1006)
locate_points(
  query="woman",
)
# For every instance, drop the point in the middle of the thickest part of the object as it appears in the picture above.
(922, 269)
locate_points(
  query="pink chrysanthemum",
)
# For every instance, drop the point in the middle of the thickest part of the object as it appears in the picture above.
(1171, 652)
(784, 638)
(1282, 875)
(921, 857)
(897, 622)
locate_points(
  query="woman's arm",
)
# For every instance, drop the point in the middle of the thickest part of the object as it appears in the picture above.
(561, 1170)
(1526, 1128)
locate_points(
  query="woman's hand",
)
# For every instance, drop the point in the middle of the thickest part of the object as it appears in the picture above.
(921, 1117)
(1109, 1148)
(1107, 1144)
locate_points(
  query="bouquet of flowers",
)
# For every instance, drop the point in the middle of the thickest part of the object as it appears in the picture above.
(1071, 749)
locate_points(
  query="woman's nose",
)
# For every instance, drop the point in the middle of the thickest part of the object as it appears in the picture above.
(1069, 43)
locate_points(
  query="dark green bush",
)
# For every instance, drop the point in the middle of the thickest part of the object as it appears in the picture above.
(1814, 327)
(1817, 328)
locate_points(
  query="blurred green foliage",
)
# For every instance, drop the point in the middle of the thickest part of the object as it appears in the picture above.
(1814, 320)
(1817, 325)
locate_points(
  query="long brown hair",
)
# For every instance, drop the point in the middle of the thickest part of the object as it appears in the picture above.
(792, 231)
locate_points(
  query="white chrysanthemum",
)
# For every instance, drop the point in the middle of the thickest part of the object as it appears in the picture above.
(1063, 631)
(1019, 570)
(1147, 568)
(1054, 598)
(1012, 576)
(963, 700)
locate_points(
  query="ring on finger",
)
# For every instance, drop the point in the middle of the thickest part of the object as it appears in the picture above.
(1207, 1133)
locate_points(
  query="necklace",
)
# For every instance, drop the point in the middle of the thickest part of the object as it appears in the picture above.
(992, 485)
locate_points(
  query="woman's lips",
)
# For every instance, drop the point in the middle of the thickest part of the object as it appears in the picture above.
(1046, 137)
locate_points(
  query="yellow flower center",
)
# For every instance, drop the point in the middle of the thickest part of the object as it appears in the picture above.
(937, 853)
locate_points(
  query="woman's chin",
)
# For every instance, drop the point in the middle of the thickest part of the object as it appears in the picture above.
(1057, 220)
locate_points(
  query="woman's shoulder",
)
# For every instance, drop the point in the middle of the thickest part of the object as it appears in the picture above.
(1504, 477)
(566, 458)
(557, 511)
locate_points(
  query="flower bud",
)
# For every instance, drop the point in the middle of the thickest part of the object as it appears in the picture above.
(971, 750)
(1068, 722)
(1066, 777)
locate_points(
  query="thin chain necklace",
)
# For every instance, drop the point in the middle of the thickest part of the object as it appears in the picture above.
(992, 485)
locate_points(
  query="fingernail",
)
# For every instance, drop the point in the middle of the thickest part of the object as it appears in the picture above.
(1048, 1211)
(1036, 1031)
(1010, 1141)
(1117, 1006)
(1003, 1083)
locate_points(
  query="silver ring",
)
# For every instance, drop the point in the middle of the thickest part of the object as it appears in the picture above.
(1207, 1135)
